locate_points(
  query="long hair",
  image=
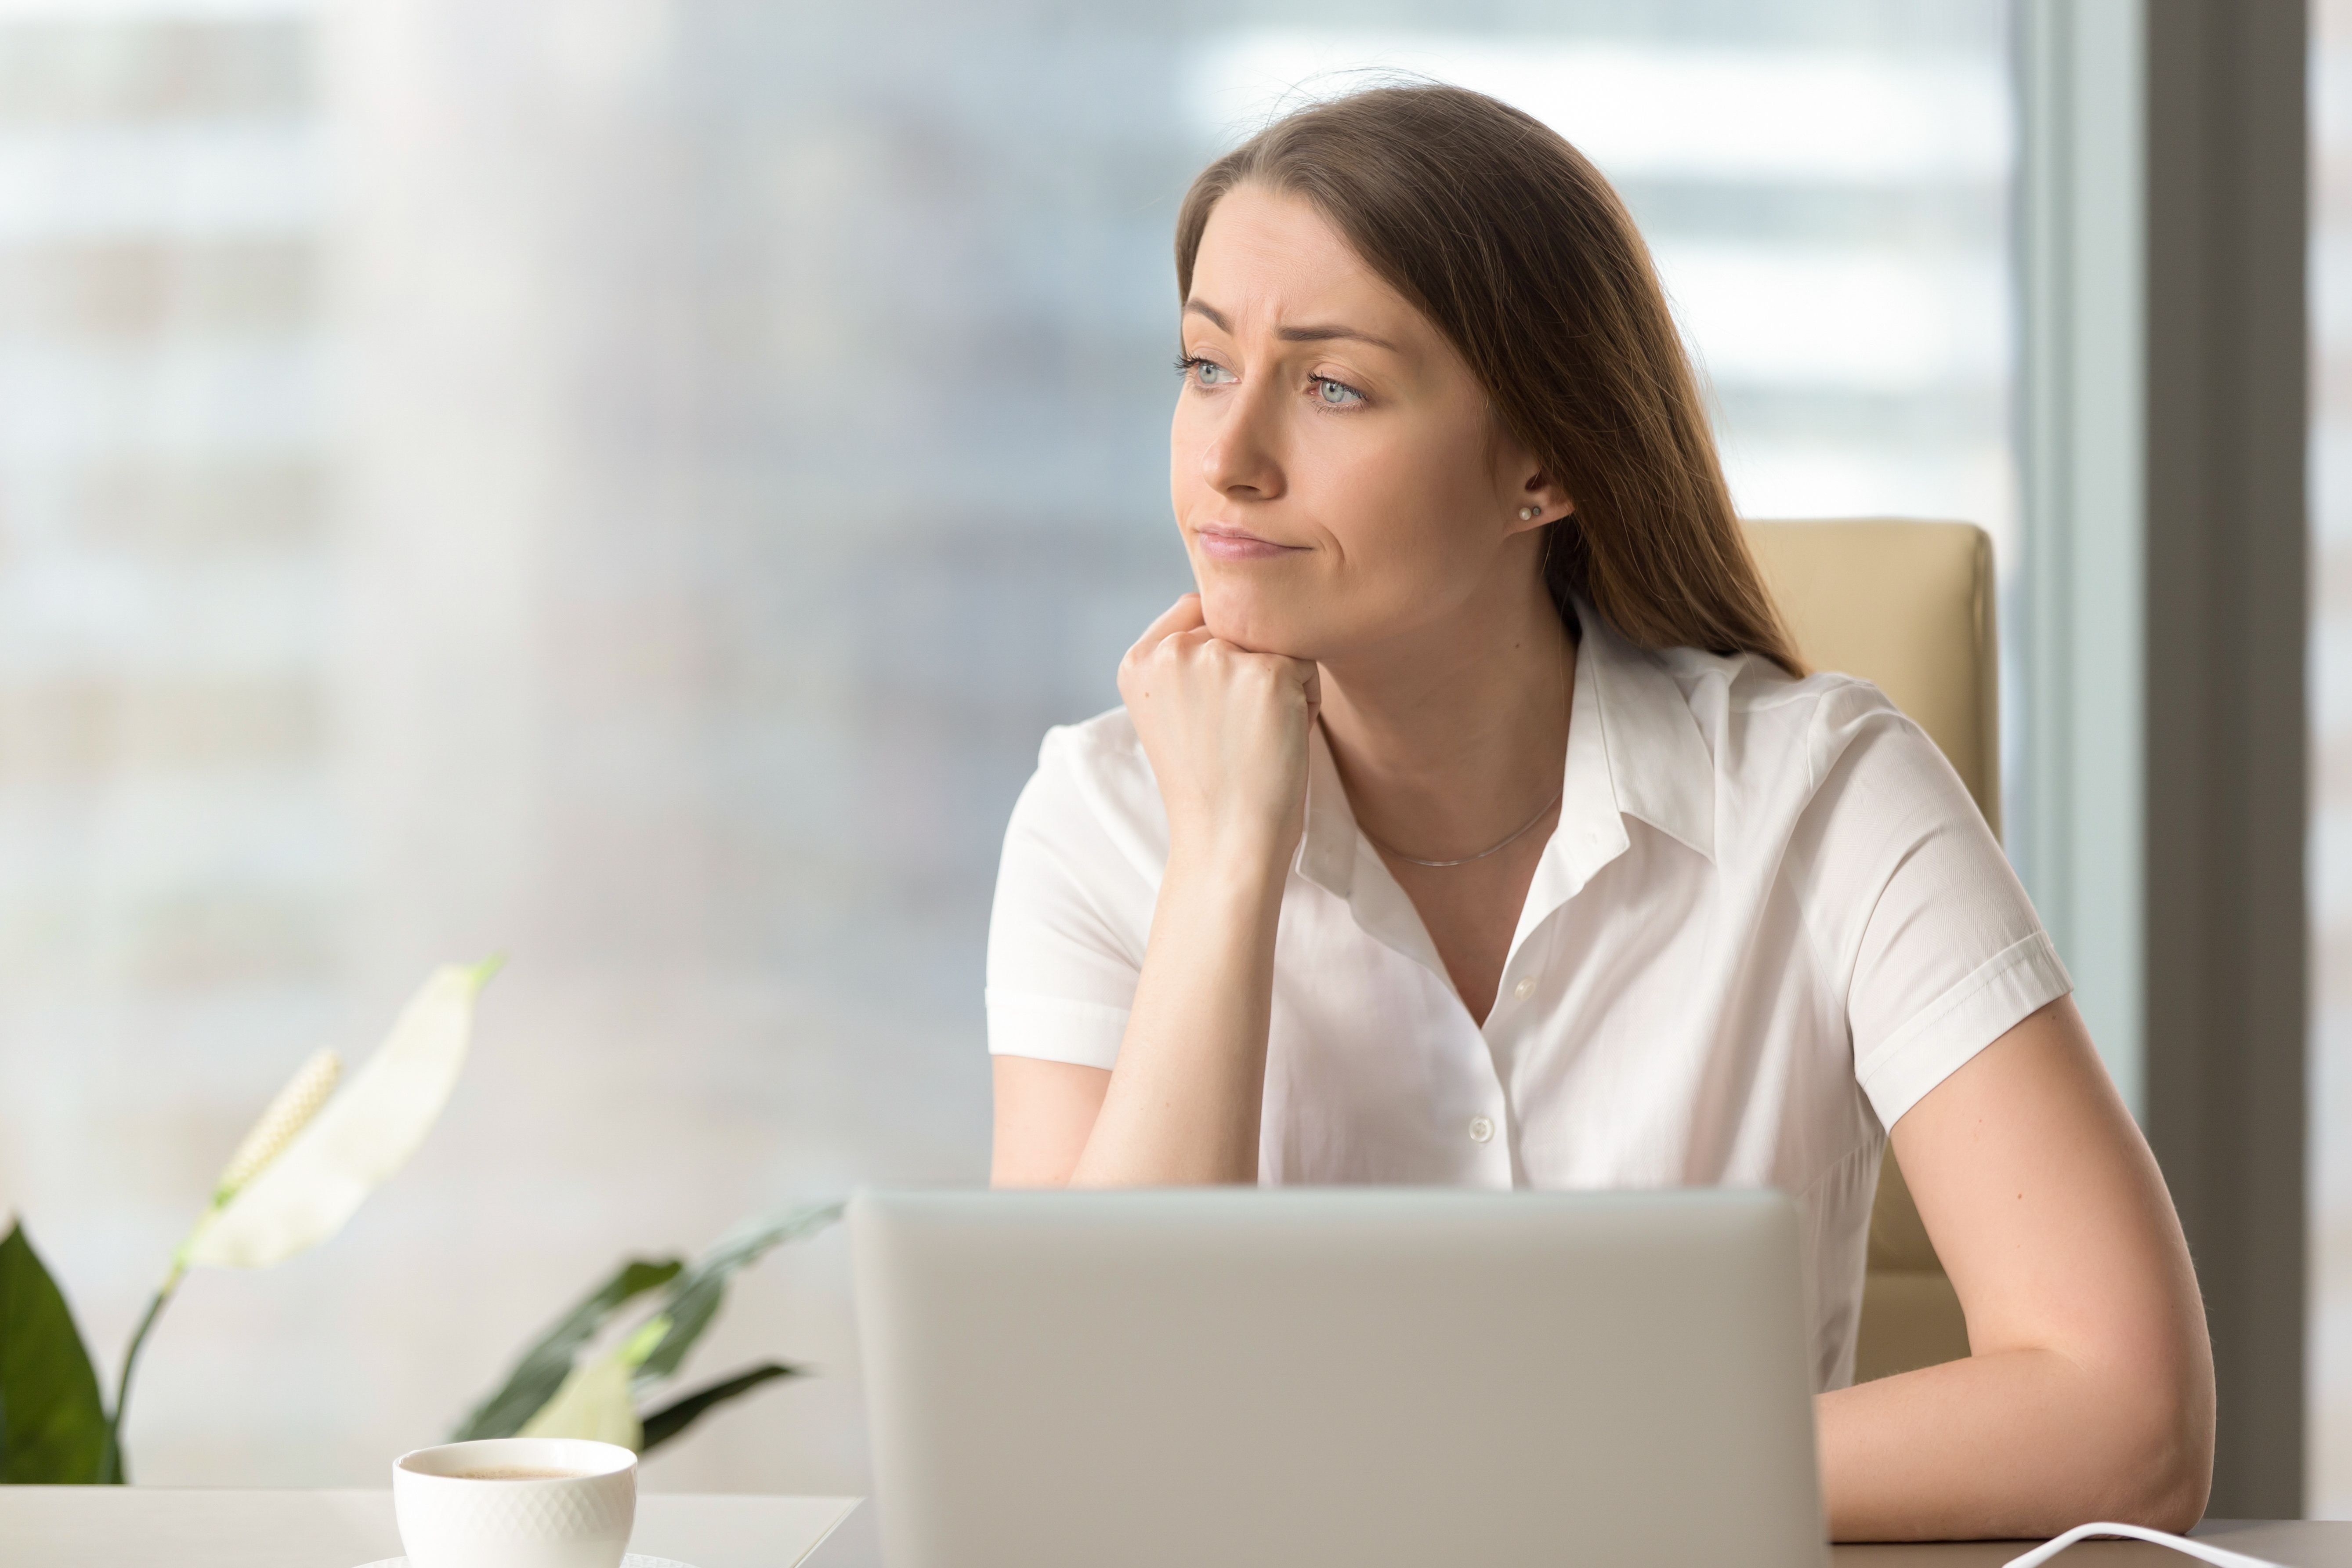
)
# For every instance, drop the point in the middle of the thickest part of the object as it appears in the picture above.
(1514, 246)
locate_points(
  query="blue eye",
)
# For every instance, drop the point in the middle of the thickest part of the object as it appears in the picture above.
(1335, 394)
(1202, 372)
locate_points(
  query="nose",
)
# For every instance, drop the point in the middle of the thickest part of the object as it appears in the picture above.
(1240, 457)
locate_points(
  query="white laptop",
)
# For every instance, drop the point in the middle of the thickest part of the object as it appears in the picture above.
(1356, 1377)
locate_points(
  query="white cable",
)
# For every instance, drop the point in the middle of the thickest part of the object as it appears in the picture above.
(2219, 1556)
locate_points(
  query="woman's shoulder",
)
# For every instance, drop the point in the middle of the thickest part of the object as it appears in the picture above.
(1093, 790)
(1104, 743)
(1099, 762)
(1757, 715)
(1785, 747)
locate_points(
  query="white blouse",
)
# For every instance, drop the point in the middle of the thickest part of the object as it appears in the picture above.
(1769, 921)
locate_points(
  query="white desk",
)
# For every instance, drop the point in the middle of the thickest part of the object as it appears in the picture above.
(2295, 1543)
(151, 1526)
(162, 1527)
(2298, 1543)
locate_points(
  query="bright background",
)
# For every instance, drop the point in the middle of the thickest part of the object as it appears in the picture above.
(627, 483)
(2330, 1463)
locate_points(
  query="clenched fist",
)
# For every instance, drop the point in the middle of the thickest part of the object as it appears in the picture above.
(1226, 732)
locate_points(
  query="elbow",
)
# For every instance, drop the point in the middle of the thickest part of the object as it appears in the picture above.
(2179, 1480)
(2162, 1457)
(2170, 1494)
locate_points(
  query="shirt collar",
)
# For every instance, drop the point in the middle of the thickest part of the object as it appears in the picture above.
(1634, 749)
(1327, 848)
(1660, 766)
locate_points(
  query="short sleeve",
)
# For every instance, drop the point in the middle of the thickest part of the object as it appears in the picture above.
(1063, 945)
(1911, 898)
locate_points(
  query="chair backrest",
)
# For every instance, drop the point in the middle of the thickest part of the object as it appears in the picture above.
(1907, 606)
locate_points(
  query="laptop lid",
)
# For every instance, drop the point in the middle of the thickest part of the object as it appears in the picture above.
(1345, 1376)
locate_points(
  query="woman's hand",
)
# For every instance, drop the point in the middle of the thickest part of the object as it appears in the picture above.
(1226, 732)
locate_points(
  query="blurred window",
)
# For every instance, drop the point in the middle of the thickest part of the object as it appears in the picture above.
(628, 483)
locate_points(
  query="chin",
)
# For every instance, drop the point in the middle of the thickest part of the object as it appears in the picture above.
(1260, 621)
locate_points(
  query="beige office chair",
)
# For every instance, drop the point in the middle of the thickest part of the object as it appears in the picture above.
(1907, 606)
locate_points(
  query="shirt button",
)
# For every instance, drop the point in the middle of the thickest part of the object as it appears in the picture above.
(1525, 988)
(1481, 1129)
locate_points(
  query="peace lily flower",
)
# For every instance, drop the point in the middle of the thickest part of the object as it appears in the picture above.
(552, 1392)
(599, 1399)
(284, 1117)
(316, 1154)
(311, 1161)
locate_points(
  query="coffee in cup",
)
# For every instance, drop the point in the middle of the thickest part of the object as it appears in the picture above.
(516, 1503)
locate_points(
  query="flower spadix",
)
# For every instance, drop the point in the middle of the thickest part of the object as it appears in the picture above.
(302, 1097)
(316, 1154)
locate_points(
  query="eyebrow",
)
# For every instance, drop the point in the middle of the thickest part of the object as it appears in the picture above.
(1317, 334)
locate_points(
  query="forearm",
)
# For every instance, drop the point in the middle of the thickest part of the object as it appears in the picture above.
(2014, 1444)
(1184, 1101)
(2090, 1393)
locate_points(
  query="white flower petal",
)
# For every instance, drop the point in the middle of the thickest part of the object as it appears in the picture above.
(597, 1400)
(303, 1097)
(364, 1134)
(594, 1402)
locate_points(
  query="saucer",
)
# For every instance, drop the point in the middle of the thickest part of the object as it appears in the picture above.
(632, 1560)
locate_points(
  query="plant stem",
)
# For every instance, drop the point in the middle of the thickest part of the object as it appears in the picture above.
(112, 1471)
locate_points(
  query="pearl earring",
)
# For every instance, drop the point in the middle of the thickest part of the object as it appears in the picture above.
(1529, 513)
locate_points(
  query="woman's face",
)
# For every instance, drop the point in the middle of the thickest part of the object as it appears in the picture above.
(1337, 471)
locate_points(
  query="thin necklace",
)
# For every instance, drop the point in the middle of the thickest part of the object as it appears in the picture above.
(1521, 831)
(1516, 834)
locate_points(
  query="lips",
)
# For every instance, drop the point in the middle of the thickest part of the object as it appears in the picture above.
(1236, 544)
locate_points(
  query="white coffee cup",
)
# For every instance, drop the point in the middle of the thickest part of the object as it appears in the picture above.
(452, 1515)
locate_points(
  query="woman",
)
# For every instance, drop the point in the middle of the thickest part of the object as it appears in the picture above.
(1474, 823)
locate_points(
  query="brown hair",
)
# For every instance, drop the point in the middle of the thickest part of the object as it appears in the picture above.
(1514, 246)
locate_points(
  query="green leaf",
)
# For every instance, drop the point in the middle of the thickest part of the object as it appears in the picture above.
(543, 1368)
(52, 1425)
(595, 1401)
(673, 1418)
(695, 1297)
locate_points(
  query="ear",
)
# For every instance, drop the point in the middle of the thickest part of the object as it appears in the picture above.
(1536, 489)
